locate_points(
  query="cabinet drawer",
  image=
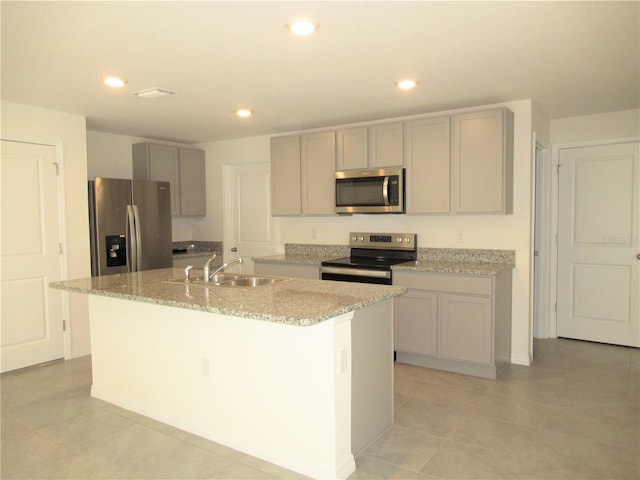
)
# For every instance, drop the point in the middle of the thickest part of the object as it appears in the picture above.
(444, 282)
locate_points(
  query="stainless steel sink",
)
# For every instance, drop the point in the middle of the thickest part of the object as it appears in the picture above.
(229, 280)
(252, 282)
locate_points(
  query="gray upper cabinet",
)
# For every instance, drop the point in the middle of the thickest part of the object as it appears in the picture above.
(377, 146)
(303, 174)
(352, 149)
(482, 162)
(386, 145)
(318, 156)
(286, 187)
(183, 168)
(455, 164)
(192, 182)
(427, 158)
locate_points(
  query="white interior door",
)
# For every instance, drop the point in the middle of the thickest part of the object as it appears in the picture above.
(32, 330)
(250, 230)
(598, 263)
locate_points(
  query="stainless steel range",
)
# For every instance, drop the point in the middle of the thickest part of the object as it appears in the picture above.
(372, 255)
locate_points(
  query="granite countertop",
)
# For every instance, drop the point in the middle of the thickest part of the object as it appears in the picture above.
(454, 267)
(299, 302)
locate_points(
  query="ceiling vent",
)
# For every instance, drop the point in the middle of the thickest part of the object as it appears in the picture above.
(154, 92)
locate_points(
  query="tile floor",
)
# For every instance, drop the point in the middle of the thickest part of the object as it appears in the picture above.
(574, 414)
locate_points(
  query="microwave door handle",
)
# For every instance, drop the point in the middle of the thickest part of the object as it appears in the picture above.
(385, 190)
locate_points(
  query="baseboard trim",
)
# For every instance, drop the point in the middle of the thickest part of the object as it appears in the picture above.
(521, 359)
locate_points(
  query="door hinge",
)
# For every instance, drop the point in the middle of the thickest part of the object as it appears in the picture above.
(57, 168)
(64, 325)
(555, 307)
(60, 247)
(558, 169)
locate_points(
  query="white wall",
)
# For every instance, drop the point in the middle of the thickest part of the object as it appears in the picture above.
(605, 126)
(69, 132)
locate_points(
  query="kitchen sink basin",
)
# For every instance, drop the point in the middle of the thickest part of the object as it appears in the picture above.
(229, 280)
(252, 281)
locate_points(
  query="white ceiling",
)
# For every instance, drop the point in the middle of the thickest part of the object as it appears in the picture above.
(571, 58)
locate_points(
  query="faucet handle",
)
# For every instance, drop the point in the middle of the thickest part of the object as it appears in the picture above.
(187, 271)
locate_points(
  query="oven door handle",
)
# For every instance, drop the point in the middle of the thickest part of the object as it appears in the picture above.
(357, 272)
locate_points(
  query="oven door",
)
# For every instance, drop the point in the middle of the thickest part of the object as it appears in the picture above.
(355, 274)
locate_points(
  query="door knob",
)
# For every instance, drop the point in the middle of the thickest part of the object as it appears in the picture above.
(638, 256)
(234, 249)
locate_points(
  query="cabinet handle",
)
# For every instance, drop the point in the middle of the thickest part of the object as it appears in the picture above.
(235, 249)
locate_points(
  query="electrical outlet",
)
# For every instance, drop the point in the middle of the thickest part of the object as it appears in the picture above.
(460, 236)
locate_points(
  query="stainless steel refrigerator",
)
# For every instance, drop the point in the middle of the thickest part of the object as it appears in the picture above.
(130, 224)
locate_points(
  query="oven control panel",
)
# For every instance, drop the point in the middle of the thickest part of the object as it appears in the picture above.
(400, 241)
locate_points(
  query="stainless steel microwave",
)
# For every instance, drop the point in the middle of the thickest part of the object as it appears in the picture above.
(370, 191)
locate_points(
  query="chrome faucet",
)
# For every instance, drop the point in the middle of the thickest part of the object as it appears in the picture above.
(207, 266)
(228, 264)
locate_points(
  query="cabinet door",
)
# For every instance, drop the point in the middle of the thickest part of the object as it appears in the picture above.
(466, 332)
(416, 323)
(386, 145)
(318, 155)
(192, 182)
(428, 161)
(161, 164)
(482, 162)
(285, 176)
(352, 149)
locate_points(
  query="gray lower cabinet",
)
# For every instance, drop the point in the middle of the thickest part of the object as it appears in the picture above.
(282, 269)
(459, 323)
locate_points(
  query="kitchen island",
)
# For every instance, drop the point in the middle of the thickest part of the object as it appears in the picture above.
(299, 373)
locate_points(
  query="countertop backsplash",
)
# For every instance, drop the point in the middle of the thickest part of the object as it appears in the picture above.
(336, 251)
(507, 257)
(193, 247)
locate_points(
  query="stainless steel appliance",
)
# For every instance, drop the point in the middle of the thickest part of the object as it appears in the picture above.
(370, 191)
(372, 255)
(130, 225)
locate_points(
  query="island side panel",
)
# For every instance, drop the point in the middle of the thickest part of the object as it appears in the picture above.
(278, 392)
(372, 380)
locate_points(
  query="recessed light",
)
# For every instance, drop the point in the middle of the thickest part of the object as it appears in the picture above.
(407, 84)
(114, 82)
(244, 113)
(302, 26)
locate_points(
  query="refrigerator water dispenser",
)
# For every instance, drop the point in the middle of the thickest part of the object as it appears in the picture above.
(116, 250)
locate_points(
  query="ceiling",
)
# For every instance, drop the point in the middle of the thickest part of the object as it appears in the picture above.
(571, 58)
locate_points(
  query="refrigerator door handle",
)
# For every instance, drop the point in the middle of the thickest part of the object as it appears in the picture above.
(138, 245)
(131, 250)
